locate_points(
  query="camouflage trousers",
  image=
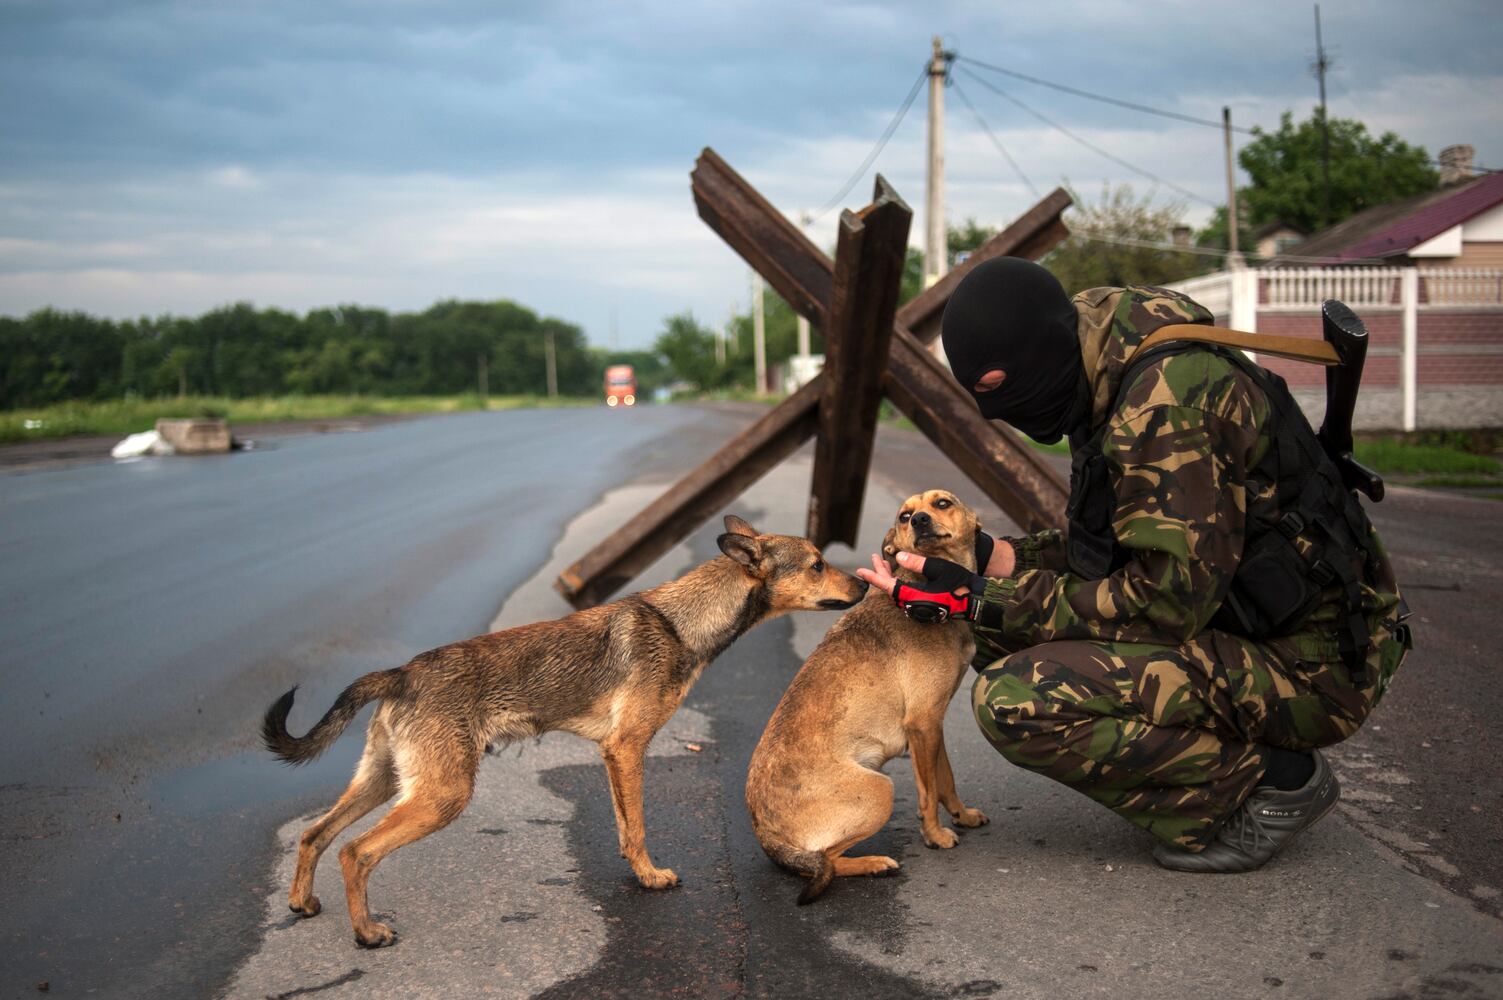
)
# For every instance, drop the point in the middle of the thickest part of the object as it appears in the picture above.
(1172, 738)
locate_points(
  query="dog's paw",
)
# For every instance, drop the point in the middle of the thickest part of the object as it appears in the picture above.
(310, 907)
(943, 838)
(971, 817)
(657, 878)
(872, 864)
(375, 935)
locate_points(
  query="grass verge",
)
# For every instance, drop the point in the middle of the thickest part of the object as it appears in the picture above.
(129, 416)
(1392, 456)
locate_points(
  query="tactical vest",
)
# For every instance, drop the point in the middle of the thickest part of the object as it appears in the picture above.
(1316, 536)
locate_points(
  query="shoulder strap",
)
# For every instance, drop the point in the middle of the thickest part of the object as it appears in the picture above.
(1294, 348)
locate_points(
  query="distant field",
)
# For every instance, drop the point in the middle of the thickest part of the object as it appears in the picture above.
(129, 416)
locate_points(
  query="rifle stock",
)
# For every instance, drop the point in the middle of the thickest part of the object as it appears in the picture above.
(1345, 332)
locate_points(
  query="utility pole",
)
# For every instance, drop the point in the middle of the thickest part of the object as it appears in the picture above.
(613, 329)
(803, 323)
(759, 334)
(483, 370)
(1321, 65)
(935, 249)
(551, 363)
(1233, 258)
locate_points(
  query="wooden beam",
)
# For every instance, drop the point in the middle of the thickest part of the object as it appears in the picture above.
(685, 506)
(868, 272)
(1033, 234)
(774, 247)
(1006, 468)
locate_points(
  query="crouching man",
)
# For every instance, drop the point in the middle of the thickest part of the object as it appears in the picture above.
(1218, 610)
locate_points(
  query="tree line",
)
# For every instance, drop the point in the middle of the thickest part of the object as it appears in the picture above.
(450, 348)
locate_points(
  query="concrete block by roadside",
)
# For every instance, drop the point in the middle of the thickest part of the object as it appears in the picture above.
(195, 437)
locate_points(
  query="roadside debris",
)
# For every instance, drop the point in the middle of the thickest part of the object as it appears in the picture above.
(145, 443)
(179, 437)
(195, 437)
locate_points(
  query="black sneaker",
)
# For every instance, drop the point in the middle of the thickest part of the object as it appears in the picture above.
(1260, 828)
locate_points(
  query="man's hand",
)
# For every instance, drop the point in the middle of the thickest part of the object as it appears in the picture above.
(1002, 563)
(945, 594)
(879, 576)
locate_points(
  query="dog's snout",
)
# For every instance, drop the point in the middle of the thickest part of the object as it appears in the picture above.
(922, 520)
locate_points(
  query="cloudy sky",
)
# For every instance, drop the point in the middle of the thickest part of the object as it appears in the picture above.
(171, 156)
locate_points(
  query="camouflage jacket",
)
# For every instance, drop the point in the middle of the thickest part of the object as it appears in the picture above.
(1180, 443)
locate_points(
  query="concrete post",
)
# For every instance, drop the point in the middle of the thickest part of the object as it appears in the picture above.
(1244, 299)
(1409, 352)
(935, 238)
(551, 364)
(1231, 188)
(759, 334)
(803, 321)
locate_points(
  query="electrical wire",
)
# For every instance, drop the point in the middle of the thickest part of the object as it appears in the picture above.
(1086, 142)
(1102, 97)
(993, 137)
(876, 151)
(1146, 109)
(1128, 241)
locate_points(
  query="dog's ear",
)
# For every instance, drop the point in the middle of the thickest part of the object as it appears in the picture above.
(746, 550)
(890, 549)
(736, 526)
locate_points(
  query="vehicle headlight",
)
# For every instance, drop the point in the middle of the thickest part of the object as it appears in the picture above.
(610, 401)
(630, 399)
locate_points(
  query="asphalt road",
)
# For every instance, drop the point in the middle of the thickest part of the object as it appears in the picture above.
(151, 610)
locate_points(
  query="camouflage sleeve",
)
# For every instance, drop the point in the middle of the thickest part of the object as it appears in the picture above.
(1180, 503)
(1040, 550)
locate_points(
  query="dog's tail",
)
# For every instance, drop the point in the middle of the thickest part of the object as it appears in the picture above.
(301, 749)
(818, 864)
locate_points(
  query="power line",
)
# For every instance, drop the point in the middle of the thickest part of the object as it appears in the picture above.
(1146, 109)
(1161, 112)
(993, 137)
(1128, 241)
(1086, 142)
(871, 157)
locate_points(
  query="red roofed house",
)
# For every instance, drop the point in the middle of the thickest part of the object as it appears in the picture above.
(1425, 274)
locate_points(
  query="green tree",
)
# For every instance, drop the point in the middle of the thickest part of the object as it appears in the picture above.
(688, 349)
(1119, 240)
(967, 237)
(1287, 183)
(237, 350)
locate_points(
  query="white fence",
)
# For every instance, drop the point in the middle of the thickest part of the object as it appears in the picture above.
(1238, 294)
(1460, 286)
(1300, 289)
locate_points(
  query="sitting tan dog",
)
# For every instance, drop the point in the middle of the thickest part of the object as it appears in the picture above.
(877, 684)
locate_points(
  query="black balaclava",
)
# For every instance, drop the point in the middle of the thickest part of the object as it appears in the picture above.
(1012, 314)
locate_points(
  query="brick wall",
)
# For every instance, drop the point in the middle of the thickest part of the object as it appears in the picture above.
(1456, 348)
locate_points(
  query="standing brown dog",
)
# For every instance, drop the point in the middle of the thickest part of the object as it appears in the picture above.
(612, 674)
(876, 684)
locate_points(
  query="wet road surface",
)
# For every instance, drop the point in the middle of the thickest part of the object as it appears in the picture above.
(152, 610)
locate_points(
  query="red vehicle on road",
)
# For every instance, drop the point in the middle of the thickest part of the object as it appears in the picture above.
(620, 386)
